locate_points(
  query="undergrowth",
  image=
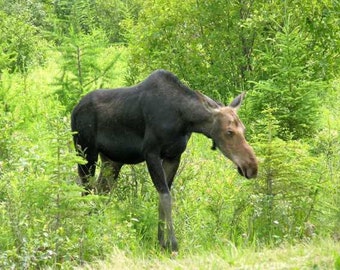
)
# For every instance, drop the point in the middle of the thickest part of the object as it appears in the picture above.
(44, 222)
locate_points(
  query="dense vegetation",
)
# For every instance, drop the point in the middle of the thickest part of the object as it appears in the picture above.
(285, 54)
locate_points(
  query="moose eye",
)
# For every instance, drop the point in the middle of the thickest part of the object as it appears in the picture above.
(229, 133)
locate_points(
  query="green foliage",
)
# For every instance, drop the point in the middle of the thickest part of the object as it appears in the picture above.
(77, 16)
(326, 145)
(272, 49)
(337, 263)
(285, 195)
(35, 207)
(317, 254)
(46, 223)
(291, 91)
(283, 52)
(18, 44)
(33, 12)
(85, 16)
(81, 71)
(6, 129)
(219, 43)
(111, 14)
(192, 39)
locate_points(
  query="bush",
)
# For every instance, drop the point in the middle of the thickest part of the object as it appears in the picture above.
(81, 70)
(292, 93)
(20, 44)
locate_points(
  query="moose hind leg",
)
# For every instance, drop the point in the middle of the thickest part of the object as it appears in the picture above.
(85, 173)
(109, 173)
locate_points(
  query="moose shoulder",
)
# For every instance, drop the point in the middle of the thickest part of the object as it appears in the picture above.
(153, 122)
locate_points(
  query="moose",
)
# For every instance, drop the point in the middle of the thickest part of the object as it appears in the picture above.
(152, 122)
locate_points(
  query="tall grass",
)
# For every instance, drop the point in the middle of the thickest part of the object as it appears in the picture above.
(323, 254)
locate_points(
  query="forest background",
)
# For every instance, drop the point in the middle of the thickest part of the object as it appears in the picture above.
(284, 54)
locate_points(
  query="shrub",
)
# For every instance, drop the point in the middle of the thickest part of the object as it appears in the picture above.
(20, 44)
(81, 71)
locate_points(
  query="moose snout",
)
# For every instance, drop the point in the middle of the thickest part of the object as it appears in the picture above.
(246, 162)
(248, 171)
(248, 167)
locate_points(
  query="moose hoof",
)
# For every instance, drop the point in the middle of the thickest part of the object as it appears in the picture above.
(174, 255)
(171, 247)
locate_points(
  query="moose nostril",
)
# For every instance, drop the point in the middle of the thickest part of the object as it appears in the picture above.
(247, 172)
(240, 171)
(252, 172)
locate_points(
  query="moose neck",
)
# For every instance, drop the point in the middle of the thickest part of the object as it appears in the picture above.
(203, 125)
(200, 115)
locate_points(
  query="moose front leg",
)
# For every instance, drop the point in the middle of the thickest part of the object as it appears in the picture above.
(170, 167)
(165, 219)
(159, 179)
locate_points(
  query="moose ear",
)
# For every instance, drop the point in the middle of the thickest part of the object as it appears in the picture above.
(236, 103)
(207, 102)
